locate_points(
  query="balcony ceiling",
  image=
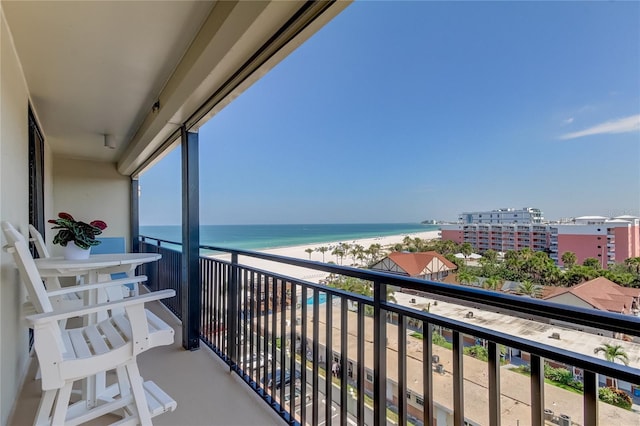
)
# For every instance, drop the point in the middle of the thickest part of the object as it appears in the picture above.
(95, 68)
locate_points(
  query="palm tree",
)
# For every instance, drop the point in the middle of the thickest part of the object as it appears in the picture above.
(569, 259)
(633, 263)
(339, 253)
(397, 247)
(466, 249)
(374, 251)
(591, 262)
(322, 250)
(490, 256)
(465, 277)
(493, 283)
(309, 250)
(527, 288)
(613, 353)
(355, 251)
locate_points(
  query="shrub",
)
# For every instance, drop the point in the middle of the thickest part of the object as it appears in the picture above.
(477, 351)
(560, 375)
(615, 397)
(438, 339)
(577, 384)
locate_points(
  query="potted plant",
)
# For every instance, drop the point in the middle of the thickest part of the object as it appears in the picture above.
(76, 236)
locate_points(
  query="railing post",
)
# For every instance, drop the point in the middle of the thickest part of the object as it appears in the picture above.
(191, 297)
(379, 355)
(537, 390)
(427, 373)
(494, 384)
(458, 379)
(590, 398)
(232, 310)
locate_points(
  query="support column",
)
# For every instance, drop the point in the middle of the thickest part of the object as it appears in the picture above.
(134, 230)
(190, 283)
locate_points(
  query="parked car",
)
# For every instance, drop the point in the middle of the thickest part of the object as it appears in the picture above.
(297, 395)
(254, 361)
(277, 381)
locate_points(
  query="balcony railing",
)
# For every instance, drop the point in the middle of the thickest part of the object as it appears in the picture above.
(397, 362)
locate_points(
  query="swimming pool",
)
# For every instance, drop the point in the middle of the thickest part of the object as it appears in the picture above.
(321, 299)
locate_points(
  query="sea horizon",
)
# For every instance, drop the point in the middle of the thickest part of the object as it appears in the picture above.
(262, 237)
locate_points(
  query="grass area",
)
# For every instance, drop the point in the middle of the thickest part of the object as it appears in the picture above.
(563, 386)
(548, 381)
(436, 340)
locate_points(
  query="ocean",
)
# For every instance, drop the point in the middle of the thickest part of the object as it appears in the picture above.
(260, 237)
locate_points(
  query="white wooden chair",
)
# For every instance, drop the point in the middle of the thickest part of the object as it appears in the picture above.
(66, 301)
(69, 355)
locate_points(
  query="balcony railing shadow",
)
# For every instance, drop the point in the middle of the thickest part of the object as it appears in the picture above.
(391, 363)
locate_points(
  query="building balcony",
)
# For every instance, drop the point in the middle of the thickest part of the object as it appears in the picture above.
(391, 371)
(380, 344)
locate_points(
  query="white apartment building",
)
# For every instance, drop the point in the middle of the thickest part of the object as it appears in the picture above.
(524, 215)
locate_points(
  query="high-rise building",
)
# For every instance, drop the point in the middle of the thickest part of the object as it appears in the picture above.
(610, 240)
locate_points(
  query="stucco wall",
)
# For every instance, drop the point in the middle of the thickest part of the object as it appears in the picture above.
(14, 207)
(88, 191)
(584, 246)
(626, 242)
(452, 235)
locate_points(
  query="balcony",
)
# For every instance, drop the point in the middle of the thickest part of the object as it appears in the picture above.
(242, 309)
(316, 323)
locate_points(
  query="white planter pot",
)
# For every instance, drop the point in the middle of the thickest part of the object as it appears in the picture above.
(73, 252)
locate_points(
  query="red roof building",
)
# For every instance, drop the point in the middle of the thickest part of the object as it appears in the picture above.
(428, 265)
(599, 293)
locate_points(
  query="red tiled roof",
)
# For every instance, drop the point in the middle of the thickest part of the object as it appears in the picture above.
(414, 263)
(601, 294)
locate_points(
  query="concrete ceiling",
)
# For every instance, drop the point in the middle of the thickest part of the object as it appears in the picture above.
(97, 67)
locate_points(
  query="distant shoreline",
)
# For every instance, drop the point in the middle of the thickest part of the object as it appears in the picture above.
(298, 252)
(267, 237)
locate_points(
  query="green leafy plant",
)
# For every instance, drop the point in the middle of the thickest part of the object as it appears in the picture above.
(616, 397)
(81, 233)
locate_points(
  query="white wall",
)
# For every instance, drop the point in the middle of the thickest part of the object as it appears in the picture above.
(89, 191)
(14, 207)
(85, 189)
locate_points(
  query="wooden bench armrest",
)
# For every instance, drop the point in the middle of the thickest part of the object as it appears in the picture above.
(40, 319)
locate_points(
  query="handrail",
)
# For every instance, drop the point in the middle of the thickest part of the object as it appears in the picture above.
(609, 321)
(236, 283)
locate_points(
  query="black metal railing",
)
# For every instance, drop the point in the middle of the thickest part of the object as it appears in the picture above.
(319, 354)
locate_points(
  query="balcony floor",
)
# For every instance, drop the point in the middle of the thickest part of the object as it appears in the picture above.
(205, 391)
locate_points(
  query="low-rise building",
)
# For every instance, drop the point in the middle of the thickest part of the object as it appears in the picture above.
(428, 265)
(599, 293)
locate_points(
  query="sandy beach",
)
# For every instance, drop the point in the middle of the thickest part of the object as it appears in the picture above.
(299, 253)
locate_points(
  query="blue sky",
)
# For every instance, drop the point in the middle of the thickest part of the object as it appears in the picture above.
(405, 111)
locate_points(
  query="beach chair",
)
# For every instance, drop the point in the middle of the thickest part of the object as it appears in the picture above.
(69, 355)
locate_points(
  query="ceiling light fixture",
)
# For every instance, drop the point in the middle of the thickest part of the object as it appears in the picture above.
(109, 142)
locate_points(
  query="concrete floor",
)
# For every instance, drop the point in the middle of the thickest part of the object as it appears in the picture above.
(205, 392)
